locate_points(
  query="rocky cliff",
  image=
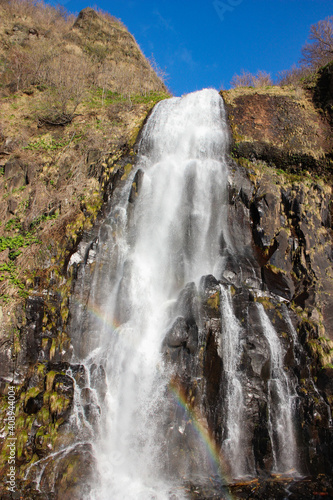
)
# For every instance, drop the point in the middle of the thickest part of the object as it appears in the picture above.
(282, 144)
(54, 186)
(287, 135)
(280, 213)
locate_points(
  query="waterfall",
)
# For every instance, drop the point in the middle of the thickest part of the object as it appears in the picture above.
(167, 227)
(144, 257)
(233, 445)
(280, 403)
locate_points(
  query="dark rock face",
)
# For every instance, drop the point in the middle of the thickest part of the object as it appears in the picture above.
(201, 375)
(279, 489)
(15, 173)
(35, 311)
(85, 17)
(323, 94)
(282, 128)
(136, 186)
(71, 474)
(277, 282)
(279, 226)
(33, 405)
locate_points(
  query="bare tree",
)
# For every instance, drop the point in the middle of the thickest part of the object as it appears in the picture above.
(262, 79)
(19, 68)
(67, 81)
(161, 73)
(293, 76)
(247, 79)
(320, 50)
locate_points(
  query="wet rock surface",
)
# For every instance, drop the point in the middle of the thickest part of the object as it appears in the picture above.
(283, 273)
(283, 224)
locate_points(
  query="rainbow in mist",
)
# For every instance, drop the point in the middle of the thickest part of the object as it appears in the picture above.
(203, 433)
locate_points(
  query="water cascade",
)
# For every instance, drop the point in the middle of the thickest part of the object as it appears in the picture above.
(166, 229)
(234, 402)
(280, 401)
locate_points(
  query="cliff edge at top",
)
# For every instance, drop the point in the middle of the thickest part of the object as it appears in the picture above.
(289, 127)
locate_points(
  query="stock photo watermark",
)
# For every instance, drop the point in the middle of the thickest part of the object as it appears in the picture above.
(10, 480)
(224, 7)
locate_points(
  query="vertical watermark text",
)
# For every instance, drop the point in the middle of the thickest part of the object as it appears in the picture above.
(223, 7)
(11, 440)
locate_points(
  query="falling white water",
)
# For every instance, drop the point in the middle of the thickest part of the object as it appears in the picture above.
(233, 445)
(144, 258)
(280, 403)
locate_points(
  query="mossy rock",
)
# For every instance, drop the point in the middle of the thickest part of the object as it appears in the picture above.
(71, 475)
(214, 301)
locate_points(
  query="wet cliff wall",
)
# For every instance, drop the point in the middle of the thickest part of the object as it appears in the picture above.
(283, 139)
(280, 208)
(280, 212)
(282, 145)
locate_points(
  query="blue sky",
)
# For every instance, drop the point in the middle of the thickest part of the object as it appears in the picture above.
(203, 43)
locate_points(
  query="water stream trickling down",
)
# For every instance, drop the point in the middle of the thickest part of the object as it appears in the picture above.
(280, 402)
(233, 445)
(167, 226)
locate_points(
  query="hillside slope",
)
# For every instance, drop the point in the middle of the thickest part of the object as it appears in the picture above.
(60, 140)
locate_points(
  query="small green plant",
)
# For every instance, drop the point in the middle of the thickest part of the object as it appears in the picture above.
(18, 190)
(14, 253)
(42, 218)
(11, 273)
(150, 97)
(23, 205)
(45, 144)
(13, 225)
(5, 297)
(16, 242)
(100, 97)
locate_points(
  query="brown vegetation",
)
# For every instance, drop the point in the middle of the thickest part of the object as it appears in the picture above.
(247, 79)
(319, 51)
(74, 94)
(66, 59)
(293, 76)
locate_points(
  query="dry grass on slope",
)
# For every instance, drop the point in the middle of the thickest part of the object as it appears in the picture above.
(52, 177)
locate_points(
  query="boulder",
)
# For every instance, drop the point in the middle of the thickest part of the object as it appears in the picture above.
(278, 282)
(12, 205)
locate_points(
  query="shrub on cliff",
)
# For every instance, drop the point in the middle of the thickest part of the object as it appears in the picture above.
(67, 82)
(293, 76)
(247, 79)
